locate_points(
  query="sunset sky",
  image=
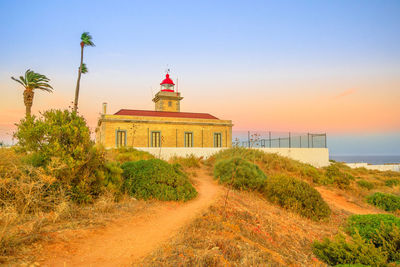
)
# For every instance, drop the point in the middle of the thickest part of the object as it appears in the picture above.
(300, 66)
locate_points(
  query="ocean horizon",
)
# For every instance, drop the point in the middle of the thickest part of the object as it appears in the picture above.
(371, 159)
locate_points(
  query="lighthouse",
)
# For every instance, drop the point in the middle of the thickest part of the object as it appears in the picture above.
(167, 99)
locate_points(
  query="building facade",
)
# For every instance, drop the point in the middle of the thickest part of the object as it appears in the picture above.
(166, 126)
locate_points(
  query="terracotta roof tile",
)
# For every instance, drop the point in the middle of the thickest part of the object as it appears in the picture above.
(152, 113)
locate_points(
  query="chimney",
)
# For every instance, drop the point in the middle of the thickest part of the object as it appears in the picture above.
(104, 108)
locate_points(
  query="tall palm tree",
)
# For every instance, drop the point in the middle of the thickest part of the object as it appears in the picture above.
(32, 81)
(86, 40)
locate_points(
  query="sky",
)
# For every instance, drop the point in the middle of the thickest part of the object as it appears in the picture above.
(301, 66)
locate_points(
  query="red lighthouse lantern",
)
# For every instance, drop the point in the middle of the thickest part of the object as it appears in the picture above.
(167, 85)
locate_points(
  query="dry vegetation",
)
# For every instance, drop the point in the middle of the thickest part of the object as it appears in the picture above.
(33, 206)
(248, 232)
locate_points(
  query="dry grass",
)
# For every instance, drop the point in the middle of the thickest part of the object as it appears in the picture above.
(250, 232)
(33, 205)
(190, 162)
(20, 235)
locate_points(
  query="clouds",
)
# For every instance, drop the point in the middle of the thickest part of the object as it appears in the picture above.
(345, 93)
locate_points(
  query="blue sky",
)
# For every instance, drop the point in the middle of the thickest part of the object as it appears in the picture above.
(307, 66)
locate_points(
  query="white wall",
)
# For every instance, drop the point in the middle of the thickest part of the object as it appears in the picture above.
(318, 157)
(385, 167)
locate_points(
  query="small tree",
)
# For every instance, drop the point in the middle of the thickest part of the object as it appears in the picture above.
(59, 141)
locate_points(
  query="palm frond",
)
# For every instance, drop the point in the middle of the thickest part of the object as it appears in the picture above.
(34, 80)
(86, 39)
(84, 69)
(18, 81)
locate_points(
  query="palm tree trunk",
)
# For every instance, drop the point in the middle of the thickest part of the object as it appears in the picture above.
(28, 101)
(78, 82)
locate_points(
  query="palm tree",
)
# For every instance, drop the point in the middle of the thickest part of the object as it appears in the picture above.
(31, 82)
(86, 40)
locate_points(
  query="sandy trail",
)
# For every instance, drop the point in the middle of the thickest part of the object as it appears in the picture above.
(126, 240)
(340, 202)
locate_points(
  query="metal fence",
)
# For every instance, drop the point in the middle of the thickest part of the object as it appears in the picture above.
(279, 139)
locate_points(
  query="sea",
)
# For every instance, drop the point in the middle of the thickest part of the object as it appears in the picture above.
(371, 159)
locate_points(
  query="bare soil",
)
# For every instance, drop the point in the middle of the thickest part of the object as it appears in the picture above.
(126, 240)
(345, 202)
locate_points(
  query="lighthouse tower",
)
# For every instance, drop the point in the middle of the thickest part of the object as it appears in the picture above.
(167, 99)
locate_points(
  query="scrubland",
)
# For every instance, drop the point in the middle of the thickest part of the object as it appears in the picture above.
(274, 210)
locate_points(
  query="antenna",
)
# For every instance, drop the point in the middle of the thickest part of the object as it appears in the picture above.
(168, 70)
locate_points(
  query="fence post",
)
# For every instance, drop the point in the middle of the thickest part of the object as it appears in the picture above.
(289, 141)
(248, 137)
(325, 141)
(300, 141)
(279, 139)
(269, 139)
(312, 141)
(308, 140)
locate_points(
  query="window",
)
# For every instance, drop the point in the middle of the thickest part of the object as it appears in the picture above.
(155, 139)
(120, 138)
(217, 140)
(169, 104)
(188, 139)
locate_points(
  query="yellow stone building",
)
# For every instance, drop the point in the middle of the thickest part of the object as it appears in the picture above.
(166, 126)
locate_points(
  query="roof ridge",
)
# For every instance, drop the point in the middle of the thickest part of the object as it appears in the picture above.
(155, 112)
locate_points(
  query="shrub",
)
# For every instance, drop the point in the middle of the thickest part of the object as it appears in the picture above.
(355, 251)
(381, 229)
(387, 202)
(239, 173)
(268, 162)
(157, 179)
(315, 175)
(24, 188)
(337, 177)
(59, 142)
(392, 182)
(113, 178)
(187, 162)
(368, 225)
(129, 154)
(297, 196)
(365, 184)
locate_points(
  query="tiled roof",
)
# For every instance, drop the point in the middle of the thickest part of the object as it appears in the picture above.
(151, 113)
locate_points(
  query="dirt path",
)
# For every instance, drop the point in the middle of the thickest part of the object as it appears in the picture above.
(126, 240)
(340, 202)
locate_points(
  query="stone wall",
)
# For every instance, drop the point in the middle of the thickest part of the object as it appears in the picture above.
(383, 167)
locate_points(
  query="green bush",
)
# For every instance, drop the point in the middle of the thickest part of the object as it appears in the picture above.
(381, 229)
(336, 176)
(387, 202)
(392, 182)
(368, 225)
(59, 142)
(355, 251)
(157, 179)
(351, 265)
(239, 173)
(365, 184)
(296, 195)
